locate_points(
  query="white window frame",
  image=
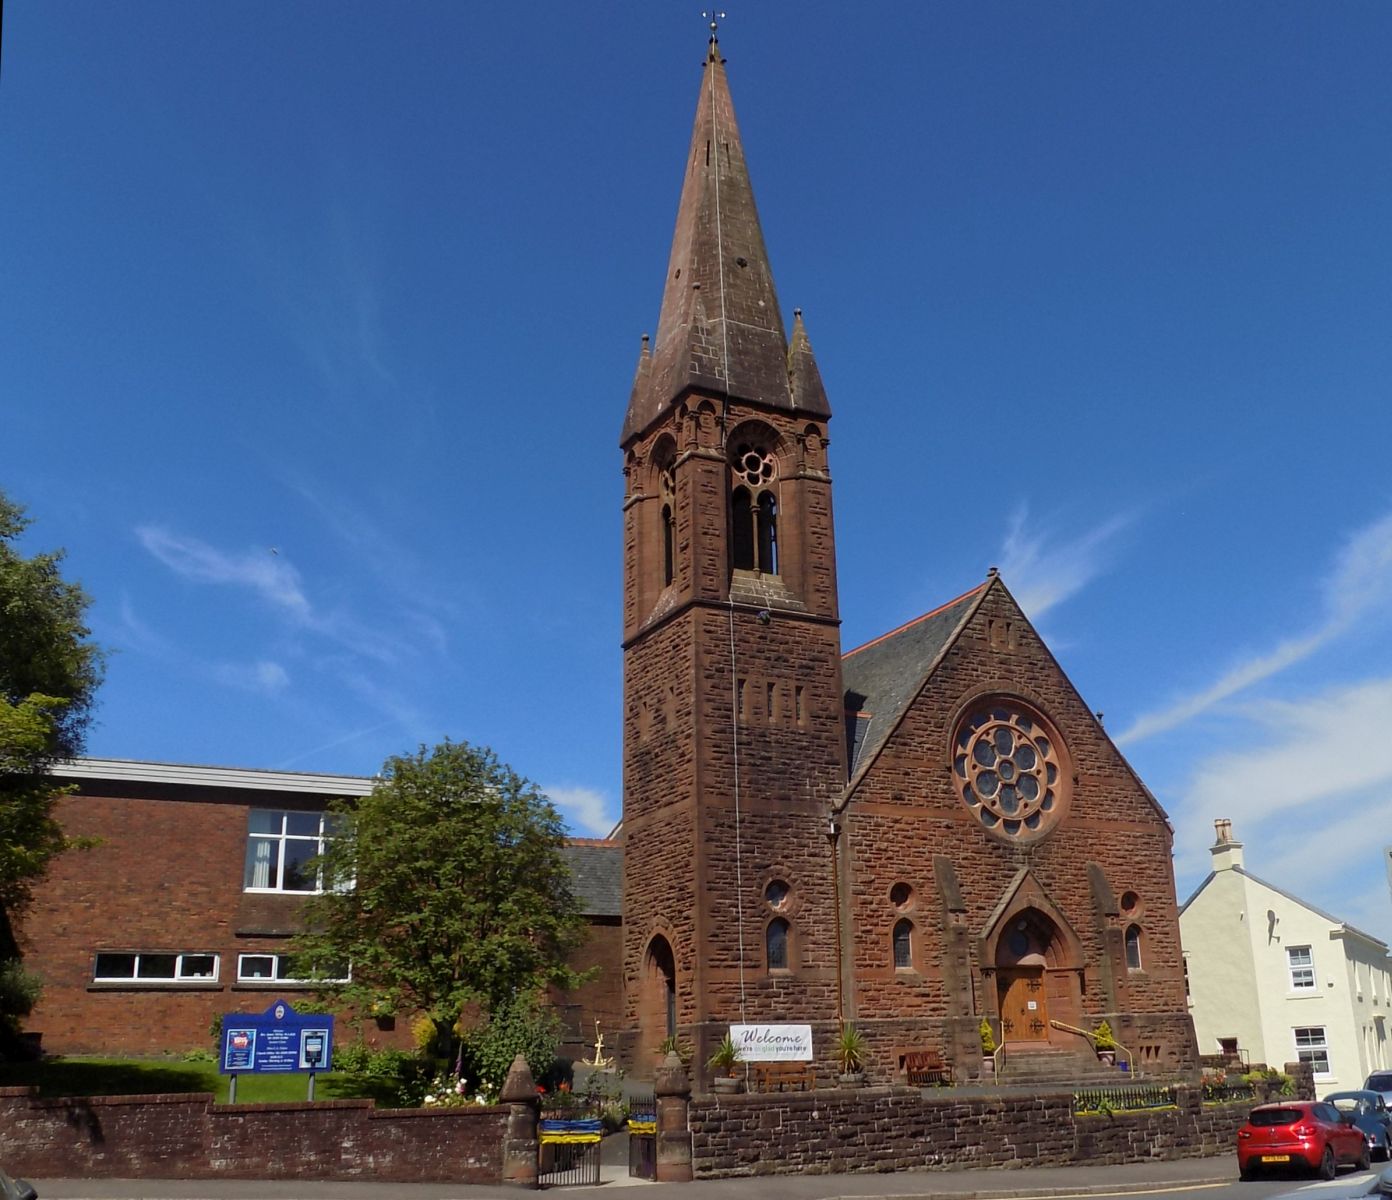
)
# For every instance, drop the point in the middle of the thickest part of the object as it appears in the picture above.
(280, 840)
(1302, 971)
(1312, 1046)
(179, 976)
(277, 964)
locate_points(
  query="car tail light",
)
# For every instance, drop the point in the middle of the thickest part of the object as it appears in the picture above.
(1244, 1133)
(1303, 1131)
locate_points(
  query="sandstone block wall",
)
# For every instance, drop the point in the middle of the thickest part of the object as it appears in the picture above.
(897, 1129)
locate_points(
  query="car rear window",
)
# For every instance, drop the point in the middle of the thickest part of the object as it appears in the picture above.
(1379, 1083)
(1275, 1116)
(1346, 1104)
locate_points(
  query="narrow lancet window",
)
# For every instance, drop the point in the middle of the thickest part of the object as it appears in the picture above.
(667, 539)
(776, 944)
(768, 533)
(903, 945)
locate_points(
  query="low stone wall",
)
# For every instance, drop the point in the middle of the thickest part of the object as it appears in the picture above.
(901, 1129)
(190, 1137)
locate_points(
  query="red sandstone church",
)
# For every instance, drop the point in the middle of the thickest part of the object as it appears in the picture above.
(930, 830)
(926, 832)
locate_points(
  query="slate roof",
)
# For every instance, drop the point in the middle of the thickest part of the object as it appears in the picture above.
(596, 869)
(1294, 899)
(883, 677)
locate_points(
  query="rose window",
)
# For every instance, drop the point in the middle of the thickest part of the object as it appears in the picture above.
(1008, 770)
(753, 465)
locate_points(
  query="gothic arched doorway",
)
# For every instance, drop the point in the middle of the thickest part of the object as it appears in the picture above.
(1024, 953)
(657, 996)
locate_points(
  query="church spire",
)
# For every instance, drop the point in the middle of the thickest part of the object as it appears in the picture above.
(720, 329)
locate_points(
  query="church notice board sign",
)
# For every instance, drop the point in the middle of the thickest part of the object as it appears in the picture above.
(277, 1040)
(773, 1043)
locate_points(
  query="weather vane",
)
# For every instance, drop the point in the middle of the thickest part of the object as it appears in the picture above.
(714, 18)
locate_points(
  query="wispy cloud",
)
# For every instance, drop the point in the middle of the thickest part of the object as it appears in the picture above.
(586, 809)
(1300, 792)
(325, 293)
(1358, 583)
(1043, 570)
(261, 571)
(267, 677)
(269, 575)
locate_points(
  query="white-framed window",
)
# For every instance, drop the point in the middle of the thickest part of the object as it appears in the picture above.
(280, 846)
(281, 968)
(149, 967)
(1301, 961)
(1311, 1047)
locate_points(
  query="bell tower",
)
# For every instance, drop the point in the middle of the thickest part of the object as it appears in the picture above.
(734, 736)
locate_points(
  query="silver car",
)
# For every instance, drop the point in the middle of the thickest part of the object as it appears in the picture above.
(16, 1189)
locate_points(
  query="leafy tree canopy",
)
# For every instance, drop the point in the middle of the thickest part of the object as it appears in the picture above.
(49, 673)
(460, 894)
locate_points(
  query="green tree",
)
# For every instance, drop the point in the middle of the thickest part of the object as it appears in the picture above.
(49, 674)
(454, 892)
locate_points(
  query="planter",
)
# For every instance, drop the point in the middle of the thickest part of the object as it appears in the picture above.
(988, 1065)
(851, 1079)
(726, 1085)
(1107, 1057)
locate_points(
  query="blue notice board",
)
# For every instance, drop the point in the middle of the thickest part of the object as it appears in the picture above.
(277, 1040)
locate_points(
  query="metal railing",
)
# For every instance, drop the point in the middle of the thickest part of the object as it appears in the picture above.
(1092, 1038)
(569, 1150)
(1122, 1099)
(642, 1135)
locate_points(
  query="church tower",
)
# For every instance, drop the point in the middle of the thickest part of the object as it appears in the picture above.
(734, 734)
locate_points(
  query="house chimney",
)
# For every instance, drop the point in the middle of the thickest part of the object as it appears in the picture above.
(1226, 851)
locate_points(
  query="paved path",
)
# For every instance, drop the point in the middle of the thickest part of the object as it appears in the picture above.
(1017, 1184)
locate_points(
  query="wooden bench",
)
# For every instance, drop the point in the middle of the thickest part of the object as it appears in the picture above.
(925, 1068)
(785, 1076)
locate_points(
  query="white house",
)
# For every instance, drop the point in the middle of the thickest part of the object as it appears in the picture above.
(1277, 980)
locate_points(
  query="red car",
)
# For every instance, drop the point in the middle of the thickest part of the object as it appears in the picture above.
(1299, 1133)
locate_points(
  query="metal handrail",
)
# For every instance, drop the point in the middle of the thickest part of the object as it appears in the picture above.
(1091, 1037)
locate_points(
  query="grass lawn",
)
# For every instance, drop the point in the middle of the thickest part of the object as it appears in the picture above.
(140, 1076)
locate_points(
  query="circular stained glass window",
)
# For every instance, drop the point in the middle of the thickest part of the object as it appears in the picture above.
(1007, 770)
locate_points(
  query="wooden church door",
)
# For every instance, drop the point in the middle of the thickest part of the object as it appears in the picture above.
(1024, 1013)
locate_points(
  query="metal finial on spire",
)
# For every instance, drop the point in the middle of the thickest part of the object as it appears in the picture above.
(714, 18)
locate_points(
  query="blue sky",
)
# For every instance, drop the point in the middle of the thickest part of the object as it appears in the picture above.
(317, 324)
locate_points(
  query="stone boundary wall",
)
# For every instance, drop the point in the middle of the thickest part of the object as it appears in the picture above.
(190, 1137)
(902, 1129)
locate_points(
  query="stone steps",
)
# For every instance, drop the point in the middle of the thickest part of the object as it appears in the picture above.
(1058, 1067)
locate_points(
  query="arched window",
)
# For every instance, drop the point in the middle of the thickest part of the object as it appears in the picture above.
(668, 529)
(776, 944)
(903, 945)
(1133, 947)
(767, 523)
(754, 506)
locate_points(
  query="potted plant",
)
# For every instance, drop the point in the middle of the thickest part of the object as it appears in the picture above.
(1104, 1043)
(850, 1056)
(724, 1062)
(988, 1047)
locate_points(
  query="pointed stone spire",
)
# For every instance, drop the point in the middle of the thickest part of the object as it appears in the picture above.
(720, 327)
(804, 379)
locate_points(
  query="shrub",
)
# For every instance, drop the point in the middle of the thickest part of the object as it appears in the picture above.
(521, 1026)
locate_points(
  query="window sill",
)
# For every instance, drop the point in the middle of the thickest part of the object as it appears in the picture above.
(272, 985)
(281, 892)
(155, 985)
